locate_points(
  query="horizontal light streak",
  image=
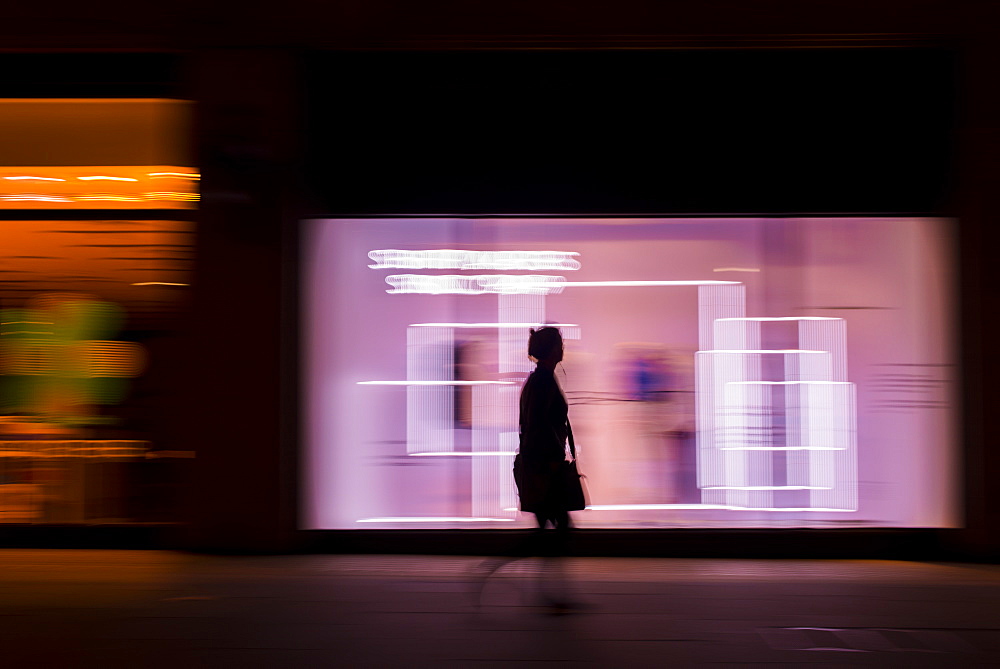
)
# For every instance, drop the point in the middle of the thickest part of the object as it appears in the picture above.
(463, 453)
(172, 195)
(72, 448)
(509, 284)
(654, 507)
(182, 175)
(781, 448)
(109, 198)
(434, 519)
(766, 350)
(493, 325)
(159, 283)
(789, 383)
(473, 284)
(781, 318)
(736, 269)
(98, 186)
(103, 197)
(637, 284)
(766, 487)
(795, 509)
(435, 383)
(706, 507)
(469, 259)
(29, 197)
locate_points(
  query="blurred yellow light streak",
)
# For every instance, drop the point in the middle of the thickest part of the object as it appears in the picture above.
(26, 323)
(31, 197)
(98, 449)
(24, 332)
(110, 198)
(167, 175)
(172, 195)
(121, 187)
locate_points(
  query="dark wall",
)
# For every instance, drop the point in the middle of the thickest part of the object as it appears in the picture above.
(638, 131)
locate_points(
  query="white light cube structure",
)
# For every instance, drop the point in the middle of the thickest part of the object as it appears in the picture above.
(777, 427)
(494, 443)
(430, 409)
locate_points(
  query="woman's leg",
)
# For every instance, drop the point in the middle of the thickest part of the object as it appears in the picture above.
(561, 526)
(557, 591)
(532, 544)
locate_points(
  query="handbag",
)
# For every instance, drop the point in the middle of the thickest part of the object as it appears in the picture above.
(576, 499)
(519, 474)
(569, 478)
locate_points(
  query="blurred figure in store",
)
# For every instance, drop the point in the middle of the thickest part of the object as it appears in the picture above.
(657, 410)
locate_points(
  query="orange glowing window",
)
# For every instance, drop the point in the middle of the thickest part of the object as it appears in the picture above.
(96, 154)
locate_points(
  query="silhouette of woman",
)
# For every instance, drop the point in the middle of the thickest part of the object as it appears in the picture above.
(544, 428)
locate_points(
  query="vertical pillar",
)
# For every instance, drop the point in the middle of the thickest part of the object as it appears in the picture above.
(240, 416)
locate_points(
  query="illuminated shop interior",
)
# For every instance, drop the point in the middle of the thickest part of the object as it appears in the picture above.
(720, 372)
(87, 303)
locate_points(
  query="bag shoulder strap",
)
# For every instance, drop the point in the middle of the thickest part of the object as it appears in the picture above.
(572, 444)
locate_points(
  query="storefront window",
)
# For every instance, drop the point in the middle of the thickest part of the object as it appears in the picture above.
(91, 299)
(725, 372)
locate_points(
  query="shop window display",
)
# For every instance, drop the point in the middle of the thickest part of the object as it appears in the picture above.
(720, 372)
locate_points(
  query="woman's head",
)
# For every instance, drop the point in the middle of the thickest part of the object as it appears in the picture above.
(546, 345)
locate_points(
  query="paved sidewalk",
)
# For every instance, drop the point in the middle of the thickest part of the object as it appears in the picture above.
(151, 609)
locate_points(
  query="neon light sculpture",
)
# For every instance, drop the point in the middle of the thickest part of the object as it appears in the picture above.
(775, 414)
(776, 426)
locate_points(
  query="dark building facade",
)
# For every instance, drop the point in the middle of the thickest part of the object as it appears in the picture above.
(356, 110)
